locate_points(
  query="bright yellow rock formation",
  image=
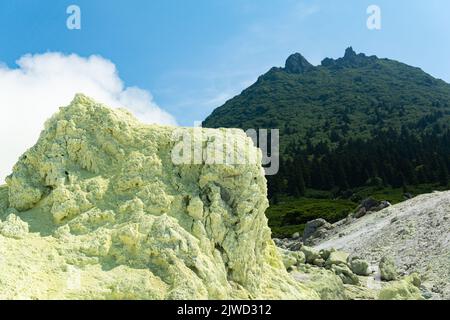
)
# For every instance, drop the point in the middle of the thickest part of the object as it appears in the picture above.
(98, 210)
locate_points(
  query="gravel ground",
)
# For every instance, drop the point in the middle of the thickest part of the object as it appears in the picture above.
(415, 233)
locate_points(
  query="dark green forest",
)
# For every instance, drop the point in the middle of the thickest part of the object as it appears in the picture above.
(350, 124)
(388, 159)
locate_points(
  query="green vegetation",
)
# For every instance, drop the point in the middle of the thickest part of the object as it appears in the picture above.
(338, 100)
(350, 128)
(290, 214)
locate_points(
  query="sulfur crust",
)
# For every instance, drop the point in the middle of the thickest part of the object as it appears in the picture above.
(97, 210)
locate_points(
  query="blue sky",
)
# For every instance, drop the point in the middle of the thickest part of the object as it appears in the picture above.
(192, 55)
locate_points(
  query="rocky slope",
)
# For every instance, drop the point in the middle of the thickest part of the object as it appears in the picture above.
(414, 234)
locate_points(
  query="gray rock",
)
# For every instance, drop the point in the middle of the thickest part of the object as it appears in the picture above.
(361, 212)
(315, 229)
(288, 244)
(278, 242)
(383, 205)
(370, 205)
(294, 245)
(296, 63)
(407, 196)
(325, 253)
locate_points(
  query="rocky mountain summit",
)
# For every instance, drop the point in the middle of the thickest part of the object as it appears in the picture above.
(348, 128)
(296, 63)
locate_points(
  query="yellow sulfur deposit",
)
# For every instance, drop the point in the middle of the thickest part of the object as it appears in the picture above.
(97, 209)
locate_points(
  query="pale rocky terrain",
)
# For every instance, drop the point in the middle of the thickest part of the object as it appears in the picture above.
(415, 234)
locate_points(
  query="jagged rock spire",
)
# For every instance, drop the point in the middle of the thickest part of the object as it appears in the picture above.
(296, 63)
(349, 53)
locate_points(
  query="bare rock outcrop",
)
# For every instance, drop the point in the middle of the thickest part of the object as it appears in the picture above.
(98, 209)
(414, 233)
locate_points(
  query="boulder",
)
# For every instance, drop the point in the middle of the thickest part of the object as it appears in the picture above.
(383, 205)
(370, 205)
(296, 235)
(388, 271)
(289, 244)
(294, 245)
(311, 254)
(291, 258)
(407, 196)
(337, 258)
(361, 212)
(300, 256)
(359, 266)
(346, 275)
(315, 229)
(404, 289)
(13, 227)
(325, 253)
(325, 282)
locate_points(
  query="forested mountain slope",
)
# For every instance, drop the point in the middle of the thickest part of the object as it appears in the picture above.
(348, 122)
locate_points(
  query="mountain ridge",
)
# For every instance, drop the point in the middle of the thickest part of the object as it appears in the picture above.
(299, 68)
(349, 123)
(330, 105)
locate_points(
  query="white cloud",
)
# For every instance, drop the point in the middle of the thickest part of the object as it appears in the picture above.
(42, 83)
